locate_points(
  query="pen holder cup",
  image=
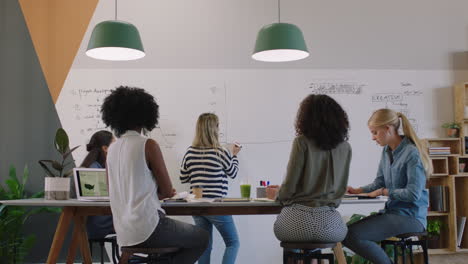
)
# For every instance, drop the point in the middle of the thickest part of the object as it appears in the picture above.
(272, 192)
(261, 192)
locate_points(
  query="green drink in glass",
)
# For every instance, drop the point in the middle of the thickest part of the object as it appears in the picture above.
(245, 190)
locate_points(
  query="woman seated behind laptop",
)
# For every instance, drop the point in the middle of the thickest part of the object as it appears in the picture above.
(317, 174)
(98, 226)
(138, 179)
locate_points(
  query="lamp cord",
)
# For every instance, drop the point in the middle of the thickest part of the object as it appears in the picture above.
(115, 9)
(279, 12)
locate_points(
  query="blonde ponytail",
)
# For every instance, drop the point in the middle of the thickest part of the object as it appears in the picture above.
(409, 132)
(383, 117)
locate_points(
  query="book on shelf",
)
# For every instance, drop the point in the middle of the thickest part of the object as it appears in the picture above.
(461, 221)
(438, 198)
(439, 150)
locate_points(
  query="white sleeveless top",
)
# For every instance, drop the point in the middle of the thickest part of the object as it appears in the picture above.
(132, 189)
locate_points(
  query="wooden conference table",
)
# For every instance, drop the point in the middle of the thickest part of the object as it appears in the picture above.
(77, 211)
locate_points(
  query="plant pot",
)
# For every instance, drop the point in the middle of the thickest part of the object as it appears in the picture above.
(462, 167)
(57, 188)
(452, 132)
(433, 242)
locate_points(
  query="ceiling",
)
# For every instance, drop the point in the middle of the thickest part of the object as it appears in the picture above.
(357, 34)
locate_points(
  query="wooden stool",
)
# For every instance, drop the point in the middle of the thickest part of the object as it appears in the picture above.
(308, 252)
(153, 254)
(404, 241)
(101, 241)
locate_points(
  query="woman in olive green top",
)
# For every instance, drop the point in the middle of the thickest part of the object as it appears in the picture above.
(317, 174)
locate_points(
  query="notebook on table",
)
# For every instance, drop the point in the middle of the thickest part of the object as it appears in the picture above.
(91, 184)
(357, 196)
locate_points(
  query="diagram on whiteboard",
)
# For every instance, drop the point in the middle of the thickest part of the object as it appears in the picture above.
(400, 101)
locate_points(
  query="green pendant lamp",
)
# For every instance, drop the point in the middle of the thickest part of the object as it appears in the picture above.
(116, 41)
(280, 42)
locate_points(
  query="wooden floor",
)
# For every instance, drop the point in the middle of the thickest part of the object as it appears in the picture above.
(449, 259)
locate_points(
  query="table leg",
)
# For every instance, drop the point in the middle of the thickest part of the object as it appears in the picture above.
(60, 233)
(75, 242)
(80, 222)
(339, 254)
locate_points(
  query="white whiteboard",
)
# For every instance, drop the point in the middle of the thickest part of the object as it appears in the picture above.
(257, 108)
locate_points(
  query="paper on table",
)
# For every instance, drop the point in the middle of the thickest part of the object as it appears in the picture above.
(183, 195)
(200, 200)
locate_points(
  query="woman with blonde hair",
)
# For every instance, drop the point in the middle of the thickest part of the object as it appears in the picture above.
(208, 165)
(402, 172)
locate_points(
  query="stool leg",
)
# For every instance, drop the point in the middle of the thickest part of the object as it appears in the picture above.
(114, 253)
(424, 246)
(124, 258)
(410, 246)
(285, 257)
(403, 253)
(90, 247)
(383, 245)
(395, 253)
(101, 244)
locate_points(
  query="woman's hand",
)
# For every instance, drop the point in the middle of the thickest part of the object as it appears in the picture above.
(376, 193)
(236, 149)
(351, 190)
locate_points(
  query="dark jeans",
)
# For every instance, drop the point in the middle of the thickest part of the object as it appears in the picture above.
(363, 234)
(191, 239)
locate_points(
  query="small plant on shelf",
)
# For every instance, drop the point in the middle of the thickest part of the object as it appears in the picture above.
(452, 128)
(433, 233)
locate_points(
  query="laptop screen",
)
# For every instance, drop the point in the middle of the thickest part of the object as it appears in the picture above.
(91, 183)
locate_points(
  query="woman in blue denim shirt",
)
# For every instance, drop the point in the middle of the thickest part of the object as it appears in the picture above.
(402, 177)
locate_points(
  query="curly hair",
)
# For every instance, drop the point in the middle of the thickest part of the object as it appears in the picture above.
(128, 108)
(321, 119)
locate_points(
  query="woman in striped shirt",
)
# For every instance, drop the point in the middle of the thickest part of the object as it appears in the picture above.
(208, 165)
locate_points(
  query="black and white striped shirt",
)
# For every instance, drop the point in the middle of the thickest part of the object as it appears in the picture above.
(209, 168)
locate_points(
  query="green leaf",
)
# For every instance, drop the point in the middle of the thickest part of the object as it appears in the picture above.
(24, 180)
(14, 188)
(354, 218)
(61, 141)
(46, 169)
(69, 152)
(69, 173)
(38, 195)
(12, 173)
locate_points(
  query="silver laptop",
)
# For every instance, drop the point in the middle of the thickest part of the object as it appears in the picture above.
(91, 184)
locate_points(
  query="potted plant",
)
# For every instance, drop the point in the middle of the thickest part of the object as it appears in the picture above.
(452, 128)
(14, 243)
(433, 233)
(57, 180)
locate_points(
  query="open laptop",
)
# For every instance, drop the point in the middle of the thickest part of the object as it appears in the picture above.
(91, 184)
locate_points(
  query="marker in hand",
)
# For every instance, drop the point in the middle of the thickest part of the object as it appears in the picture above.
(237, 148)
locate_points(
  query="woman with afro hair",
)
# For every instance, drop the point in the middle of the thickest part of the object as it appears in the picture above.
(317, 174)
(138, 179)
